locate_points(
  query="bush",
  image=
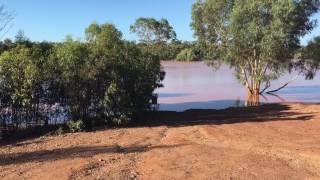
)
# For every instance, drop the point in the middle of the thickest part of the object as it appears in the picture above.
(120, 119)
(104, 77)
(134, 79)
(187, 55)
(75, 126)
(59, 131)
(117, 105)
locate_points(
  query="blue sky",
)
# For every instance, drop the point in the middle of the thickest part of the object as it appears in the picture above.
(52, 20)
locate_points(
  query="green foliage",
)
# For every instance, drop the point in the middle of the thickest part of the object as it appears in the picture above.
(75, 126)
(21, 84)
(104, 77)
(72, 60)
(257, 38)
(151, 30)
(135, 77)
(312, 50)
(309, 59)
(158, 38)
(169, 51)
(117, 104)
(187, 55)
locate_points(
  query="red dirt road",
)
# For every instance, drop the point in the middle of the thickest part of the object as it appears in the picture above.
(271, 142)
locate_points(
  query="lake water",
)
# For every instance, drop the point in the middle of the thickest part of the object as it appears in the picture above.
(197, 86)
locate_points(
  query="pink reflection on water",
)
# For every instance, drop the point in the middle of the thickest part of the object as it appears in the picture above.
(195, 85)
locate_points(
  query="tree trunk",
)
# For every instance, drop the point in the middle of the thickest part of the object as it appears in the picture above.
(253, 100)
(256, 91)
(255, 87)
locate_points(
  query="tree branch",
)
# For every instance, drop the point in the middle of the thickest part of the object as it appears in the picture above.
(246, 78)
(285, 85)
(266, 87)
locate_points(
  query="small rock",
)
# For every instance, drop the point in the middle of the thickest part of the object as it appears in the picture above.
(133, 175)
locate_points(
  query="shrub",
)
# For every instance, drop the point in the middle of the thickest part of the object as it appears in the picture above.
(120, 119)
(59, 131)
(130, 92)
(104, 77)
(75, 126)
(117, 105)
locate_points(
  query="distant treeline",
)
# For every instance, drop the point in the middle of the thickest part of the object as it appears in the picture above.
(102, 80)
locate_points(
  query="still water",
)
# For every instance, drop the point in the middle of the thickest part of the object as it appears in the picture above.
(197, 86)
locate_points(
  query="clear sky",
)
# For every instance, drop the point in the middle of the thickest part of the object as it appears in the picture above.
(52, 20)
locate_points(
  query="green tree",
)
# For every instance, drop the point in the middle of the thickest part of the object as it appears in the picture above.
(21, 83)
(309, 59)
(257, 38)
(102, 79)
(150, 30)
(311, 51)
(106, 77)
(134, 78)
(72, 59)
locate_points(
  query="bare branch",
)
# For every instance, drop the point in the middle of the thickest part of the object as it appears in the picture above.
(266, 87)
(285, 85)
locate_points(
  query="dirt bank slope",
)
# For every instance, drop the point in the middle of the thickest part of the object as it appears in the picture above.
(280, 141)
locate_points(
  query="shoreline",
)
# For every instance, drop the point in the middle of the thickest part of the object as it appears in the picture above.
(273, 141)
(167, 118)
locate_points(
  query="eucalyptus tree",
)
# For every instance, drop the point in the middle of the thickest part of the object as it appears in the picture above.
(150, 30)
(257, 38)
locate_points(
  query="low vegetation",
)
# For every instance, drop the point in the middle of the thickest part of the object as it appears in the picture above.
(102, 80)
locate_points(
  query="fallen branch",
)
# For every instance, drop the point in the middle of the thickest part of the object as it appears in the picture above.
(266, 87)
(285, 85)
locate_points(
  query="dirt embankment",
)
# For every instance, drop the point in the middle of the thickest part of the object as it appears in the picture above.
(279, 141)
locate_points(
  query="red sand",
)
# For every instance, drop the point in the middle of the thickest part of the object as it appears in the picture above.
(271, 142)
